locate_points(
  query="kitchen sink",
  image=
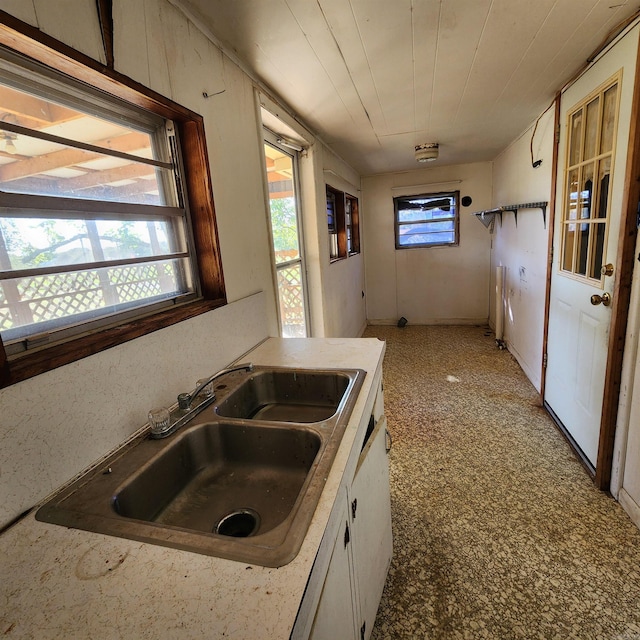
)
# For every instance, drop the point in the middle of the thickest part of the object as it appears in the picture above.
(287, 395)
(241, 480)
(217, 474)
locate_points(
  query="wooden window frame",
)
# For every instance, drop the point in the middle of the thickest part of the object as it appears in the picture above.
(21, 38)
(353, 224)
(456, 221)
(341, 229)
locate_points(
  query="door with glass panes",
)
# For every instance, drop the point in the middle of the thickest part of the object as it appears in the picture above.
(286, 237)
(593, 146)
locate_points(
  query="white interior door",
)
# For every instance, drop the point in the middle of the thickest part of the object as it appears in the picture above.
(595, 116)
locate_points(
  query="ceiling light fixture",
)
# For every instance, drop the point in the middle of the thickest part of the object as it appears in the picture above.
(427, 152)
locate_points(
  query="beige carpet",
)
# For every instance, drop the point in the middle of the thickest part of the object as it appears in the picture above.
(498, 530)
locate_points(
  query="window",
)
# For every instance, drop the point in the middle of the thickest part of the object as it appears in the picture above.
(428, 220)
(336, 224)
(352, 219)
(281, 163)
(97, 244)
(589, 165)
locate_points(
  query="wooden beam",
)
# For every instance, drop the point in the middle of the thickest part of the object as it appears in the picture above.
(39, 112)
(95, 178)
(69, 157)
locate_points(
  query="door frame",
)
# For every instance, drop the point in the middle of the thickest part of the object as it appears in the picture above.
(622, 286)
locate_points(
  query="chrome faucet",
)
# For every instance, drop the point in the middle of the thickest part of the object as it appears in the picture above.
(185, 399)
(183, 412)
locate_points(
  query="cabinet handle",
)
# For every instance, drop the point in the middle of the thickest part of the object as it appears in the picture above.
(347, 535)
(363, 629)
(354, 508)
(388, 440)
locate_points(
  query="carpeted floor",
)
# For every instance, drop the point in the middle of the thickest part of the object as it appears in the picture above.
(498, 531)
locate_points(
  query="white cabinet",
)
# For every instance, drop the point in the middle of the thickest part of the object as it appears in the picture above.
(362, 546)
(336, 613)
(370, 513)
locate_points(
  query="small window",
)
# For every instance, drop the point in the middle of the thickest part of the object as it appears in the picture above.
(428, 220)
(352, 224)
(336, 224)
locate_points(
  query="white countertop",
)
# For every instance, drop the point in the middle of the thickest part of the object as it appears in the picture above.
(65, 583)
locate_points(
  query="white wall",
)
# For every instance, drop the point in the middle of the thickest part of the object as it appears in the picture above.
(54, 425)
(438, 285)
(522, 248)
(344, 305)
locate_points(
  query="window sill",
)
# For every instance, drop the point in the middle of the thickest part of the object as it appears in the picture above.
(32, 363)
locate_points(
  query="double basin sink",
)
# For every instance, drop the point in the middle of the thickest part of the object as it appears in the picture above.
(241, 480)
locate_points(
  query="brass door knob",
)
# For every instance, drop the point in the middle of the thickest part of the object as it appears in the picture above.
(607, 269)
(604, 299)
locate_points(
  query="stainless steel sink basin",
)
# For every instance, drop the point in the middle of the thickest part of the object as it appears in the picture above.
(239, 487)
(243, 478)
(287, 395)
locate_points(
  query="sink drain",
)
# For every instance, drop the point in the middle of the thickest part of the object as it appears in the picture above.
(241, 523)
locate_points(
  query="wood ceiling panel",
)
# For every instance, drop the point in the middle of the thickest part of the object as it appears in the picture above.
(459, 35)
(385, 29)
(341, 21)
(314, 24)
(374, 77)
(511, 26)
(426, 18)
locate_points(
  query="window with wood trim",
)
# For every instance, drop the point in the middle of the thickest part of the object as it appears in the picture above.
(107, 228)
(352, 224)
(427, 220)
(336, 224)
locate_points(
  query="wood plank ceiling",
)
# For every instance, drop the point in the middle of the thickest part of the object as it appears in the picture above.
(376, 77)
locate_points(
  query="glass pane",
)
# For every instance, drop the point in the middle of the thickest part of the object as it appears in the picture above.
(420, 208)
(571, 210)
(599, 233)
(31, 165)
(568, 243)
(575, 137)
(428, 238)
(583, 246)
(586, 193)
(50, 242)
(291, 296)
(591, 129)
(428, 233)
(608, 119)
(282, 205)
(44, 303)
(604, 178)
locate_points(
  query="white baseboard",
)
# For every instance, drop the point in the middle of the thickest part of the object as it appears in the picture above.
(630, 506)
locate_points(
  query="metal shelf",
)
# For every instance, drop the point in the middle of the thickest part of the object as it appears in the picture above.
(488, 216)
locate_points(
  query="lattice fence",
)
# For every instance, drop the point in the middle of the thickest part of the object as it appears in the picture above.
(291, 301)
(41, 298)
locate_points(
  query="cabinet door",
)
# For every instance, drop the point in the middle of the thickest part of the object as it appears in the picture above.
(370, 513)
(335, 616)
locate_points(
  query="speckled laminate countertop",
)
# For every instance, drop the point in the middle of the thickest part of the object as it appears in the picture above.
(65, 583)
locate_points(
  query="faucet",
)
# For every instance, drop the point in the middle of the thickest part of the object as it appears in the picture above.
(180, 415)
(185, 399)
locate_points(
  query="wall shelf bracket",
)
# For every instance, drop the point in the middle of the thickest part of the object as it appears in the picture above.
(487, 217)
